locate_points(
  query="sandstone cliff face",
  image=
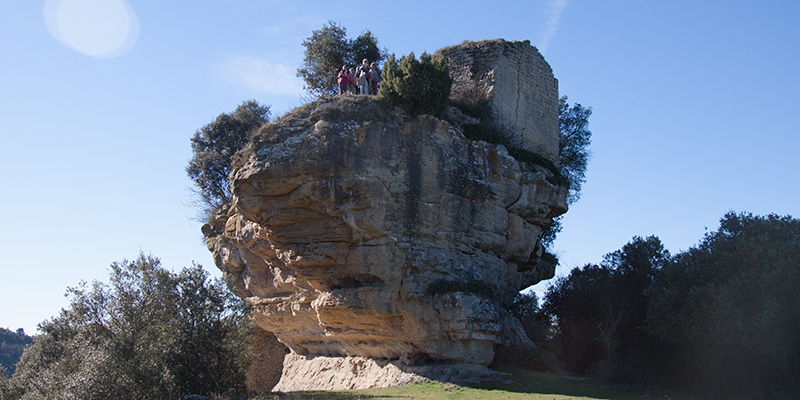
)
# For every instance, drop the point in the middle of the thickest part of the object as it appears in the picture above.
(391, 238)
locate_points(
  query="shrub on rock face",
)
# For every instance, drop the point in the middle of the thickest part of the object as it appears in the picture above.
(418, 86)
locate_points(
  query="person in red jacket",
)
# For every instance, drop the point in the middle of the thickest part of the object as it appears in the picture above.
(344, 80)
(352, 75)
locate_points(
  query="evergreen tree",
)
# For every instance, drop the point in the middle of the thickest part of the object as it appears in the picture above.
(600, 310)
(574, 139)
(419, 87)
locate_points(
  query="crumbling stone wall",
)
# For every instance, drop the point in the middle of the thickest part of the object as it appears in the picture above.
(518, 85)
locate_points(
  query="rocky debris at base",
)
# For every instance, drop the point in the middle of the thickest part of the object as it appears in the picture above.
(345, 373)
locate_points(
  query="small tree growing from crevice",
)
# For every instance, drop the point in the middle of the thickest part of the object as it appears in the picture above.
(418, 86)
(574, 138)
(573, 145)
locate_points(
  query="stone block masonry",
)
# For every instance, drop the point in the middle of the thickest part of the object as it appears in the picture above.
(518, 85)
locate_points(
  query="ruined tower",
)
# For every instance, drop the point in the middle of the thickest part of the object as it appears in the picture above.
(518, 85)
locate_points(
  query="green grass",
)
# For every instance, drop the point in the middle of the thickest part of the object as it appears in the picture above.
(520, 384)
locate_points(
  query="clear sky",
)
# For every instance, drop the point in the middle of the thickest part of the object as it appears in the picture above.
(695, 114)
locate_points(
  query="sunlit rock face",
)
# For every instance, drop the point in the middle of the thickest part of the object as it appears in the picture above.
(358, 231)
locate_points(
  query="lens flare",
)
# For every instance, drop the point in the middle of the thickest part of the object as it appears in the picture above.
(98, 28)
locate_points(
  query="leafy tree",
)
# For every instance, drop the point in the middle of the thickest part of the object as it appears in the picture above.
(525, 306)
(327, 49)
(419, 87)
(574, 139)
(150, 333)
(365, 46)
(583, 308)
(636, 266)
(573, 143)
(600, 310)
(536, 324)
(214, 145)
(731, 310)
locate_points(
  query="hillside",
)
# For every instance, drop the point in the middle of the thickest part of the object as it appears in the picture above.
(11, 346)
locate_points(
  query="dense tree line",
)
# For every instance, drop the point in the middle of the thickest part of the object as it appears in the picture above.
(148, 334)
(730, 308)
(721, 319)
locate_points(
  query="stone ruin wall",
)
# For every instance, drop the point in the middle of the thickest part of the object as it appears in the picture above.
(518, 84)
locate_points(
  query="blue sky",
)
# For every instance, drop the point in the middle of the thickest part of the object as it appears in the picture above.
(695, 114)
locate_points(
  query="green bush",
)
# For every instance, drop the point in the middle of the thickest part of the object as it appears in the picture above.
(419, 87)
(149, 334)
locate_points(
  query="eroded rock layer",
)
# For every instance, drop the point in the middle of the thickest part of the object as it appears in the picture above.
(356, 231)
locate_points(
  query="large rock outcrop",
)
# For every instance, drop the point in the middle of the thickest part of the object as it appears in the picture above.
(388, 242)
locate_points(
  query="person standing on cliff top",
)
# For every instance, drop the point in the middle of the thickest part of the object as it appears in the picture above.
(352, 79)
(344, 80)
(374, 78)
(363, 77)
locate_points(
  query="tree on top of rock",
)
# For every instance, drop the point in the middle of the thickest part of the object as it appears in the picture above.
(419, 87)
(214, 145)
(327, 49)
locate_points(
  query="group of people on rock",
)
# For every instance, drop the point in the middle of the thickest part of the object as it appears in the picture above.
(363, 79)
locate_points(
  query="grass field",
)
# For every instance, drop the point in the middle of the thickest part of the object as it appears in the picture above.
(520, 384)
